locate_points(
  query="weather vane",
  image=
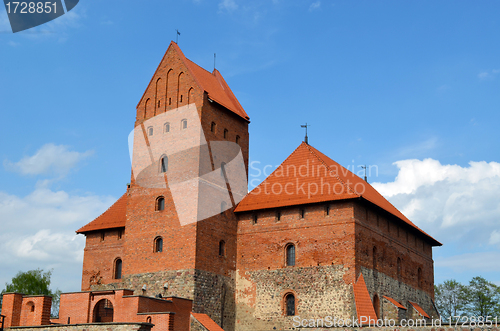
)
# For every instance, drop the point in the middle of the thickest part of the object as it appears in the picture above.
(364, 167)
(305, 126)
(177, 36)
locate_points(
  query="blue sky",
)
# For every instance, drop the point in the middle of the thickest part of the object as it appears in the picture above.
(409, 87)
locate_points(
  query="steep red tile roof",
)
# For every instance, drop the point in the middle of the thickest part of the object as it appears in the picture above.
(308, 176)
(212, 83)
(395, 303)
(207, 322)
(419, 309)
(114, 217)
(364, 306)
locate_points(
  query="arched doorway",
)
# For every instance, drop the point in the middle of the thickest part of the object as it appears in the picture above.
(376, 305)
(103, 312)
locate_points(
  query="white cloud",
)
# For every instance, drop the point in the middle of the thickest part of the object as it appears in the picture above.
(477, 262)
(228, 5)
(38, 231)
(50, 158)
(314, 5)
(448, 201)
(488, 74)
(495, 237)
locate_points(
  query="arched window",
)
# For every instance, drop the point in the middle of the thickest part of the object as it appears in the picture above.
(289, 304)
(184, 124)
(374, 258)
(222, 248)
(223, 206)
(290, 255)
(160, 203)
(103, 312)
(164, 164)
(150, 131)
(118, 269)
(158, 245)
(225, 133)
(237, 139)
(167, 127)
(148, 319)
(420, 277)
(212, 127)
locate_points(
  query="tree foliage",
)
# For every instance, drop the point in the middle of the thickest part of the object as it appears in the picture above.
(34, 282)
(480, 298)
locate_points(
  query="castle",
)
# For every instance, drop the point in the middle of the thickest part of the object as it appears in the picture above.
(312, 240)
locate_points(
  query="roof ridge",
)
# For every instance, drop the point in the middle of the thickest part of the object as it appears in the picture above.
(336, 175)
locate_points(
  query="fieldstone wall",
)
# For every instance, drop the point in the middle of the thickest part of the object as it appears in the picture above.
(381, 284)
(89, 327)
(319, 291)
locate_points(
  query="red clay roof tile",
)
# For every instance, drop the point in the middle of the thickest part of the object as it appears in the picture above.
(394, 302)
(364, 306)
(207, 322)
(114, 217)
(419, 309)
(308, 176)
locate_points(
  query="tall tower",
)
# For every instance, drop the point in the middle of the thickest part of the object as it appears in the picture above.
(174, 231)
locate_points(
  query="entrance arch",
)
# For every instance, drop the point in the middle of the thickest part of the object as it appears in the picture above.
(103, 312)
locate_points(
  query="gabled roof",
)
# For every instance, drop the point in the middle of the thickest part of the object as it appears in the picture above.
(207, 322)
(364, 305)
(114, 217)
(308, 176)
(212, 83)
(394, 302)
(419, 309)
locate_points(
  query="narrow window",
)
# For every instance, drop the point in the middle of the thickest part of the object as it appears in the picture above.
(222, 248)
(150, 131)
(290, 305)
(159, 103)
(376, 305)
(399, 269)
(167, 127)
(212, 127)
(327, 210)
(278, 215)
(158, 245)
(290, 255)
(237, 139)
(181, 98)
(419, 277)
(254, 218)
(374, 258)
(32, 308)
(102, 235)
(164, 164)
(160, 203)
(118, 269)
(120, 234)
(169, 101)
(184, 124)
(223, 207)
(223, 170)
(225, 133)
(302, 212)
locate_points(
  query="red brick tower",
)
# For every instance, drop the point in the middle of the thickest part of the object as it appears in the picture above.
(142, 242)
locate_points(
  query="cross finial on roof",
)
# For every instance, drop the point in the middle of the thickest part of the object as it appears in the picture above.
(306, 140)
(364, 167)
(177, 36)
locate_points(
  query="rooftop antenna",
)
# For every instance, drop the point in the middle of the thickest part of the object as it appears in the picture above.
(177, 36)
(305, 126)
(214, 59)
(364, 167)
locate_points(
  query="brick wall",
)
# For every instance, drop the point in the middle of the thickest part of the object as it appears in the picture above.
(92, 327)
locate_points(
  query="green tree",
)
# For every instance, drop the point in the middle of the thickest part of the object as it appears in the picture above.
(450, 298)
(34, 282)
(483, 298)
